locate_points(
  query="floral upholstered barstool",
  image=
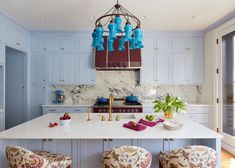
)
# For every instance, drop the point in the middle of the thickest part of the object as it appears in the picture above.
(189, 157)
(127, 157)
(20, 157)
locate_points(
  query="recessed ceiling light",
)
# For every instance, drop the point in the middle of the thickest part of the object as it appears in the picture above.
(193, 17)
(43, 17)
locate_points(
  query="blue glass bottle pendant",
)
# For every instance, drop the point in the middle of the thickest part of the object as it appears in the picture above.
(128, 31)
(118, 22)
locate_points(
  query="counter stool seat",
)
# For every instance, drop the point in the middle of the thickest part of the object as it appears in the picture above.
(189, 157)
(20, 157)
(127, 157)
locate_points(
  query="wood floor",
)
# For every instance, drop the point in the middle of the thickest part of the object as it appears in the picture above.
(228, 160)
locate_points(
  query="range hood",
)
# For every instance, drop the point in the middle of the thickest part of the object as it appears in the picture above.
(117, 60)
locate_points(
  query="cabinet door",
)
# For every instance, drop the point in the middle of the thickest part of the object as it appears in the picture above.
(2, 53)
(163, 68)
(179, 44)
(38, 45)
(194, 44)
(86, 72)
(150, 44)
(179, 68)
(69, 73)
(39, 68)
(194, 68)
(54, 68)
(84, 44)
(2, 38)
(90, 153)
(39, 94)
(163, 44)
(69, 45)
(148, 71)
(2, 121)
(54, 45)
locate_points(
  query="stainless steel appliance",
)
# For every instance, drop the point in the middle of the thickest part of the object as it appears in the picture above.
(118, 106)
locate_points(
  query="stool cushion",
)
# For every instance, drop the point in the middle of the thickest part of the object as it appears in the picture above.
(56, 160)
(190, 157)
(20, 157)
(127, 157)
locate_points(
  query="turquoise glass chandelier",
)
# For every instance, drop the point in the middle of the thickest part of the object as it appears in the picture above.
(111, 25)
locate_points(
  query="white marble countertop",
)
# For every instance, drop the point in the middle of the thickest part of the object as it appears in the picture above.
(97, 129)
(84, 105)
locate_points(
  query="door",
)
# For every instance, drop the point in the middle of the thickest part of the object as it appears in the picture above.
(15, 89)
(227, 85)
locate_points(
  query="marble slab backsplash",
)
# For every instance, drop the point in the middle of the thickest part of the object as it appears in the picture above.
(124, 83)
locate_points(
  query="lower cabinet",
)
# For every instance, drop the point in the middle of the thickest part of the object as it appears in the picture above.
(87, 153)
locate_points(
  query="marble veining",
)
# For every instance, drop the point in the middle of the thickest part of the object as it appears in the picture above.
(123, 83)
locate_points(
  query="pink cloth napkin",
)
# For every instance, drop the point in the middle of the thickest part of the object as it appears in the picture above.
(150, 123)
(136, 127)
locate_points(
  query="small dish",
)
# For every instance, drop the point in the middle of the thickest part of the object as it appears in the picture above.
(65, 122)
(172, 125)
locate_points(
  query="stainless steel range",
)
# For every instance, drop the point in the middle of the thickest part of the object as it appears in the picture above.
(118, 106)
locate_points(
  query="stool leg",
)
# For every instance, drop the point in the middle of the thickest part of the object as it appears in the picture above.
(69, 166)
(160, 165)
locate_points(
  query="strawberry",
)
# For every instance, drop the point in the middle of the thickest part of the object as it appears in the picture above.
(51, 125)
(55, 124)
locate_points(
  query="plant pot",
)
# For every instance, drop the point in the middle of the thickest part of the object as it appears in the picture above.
(168, 114)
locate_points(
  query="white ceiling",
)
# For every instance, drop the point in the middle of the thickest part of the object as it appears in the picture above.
(76, 14)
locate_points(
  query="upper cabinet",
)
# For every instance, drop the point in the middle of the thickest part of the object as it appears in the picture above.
(62, 59)
(16, 38)
(187, 44)
(172, 59)
(62, 45)
(2, 53)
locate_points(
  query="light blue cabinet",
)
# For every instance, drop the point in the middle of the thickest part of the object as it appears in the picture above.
(179, 68)
(86, 72)
(39, 95)
(39, 68)
(163, 67)
(62, 45)
(172, 59)
(54, 68)
(16, 38)
(194, 70)
(62, 68)
(38, 45)
(2, 53)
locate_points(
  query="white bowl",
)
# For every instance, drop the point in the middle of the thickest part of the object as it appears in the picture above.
(65, 122)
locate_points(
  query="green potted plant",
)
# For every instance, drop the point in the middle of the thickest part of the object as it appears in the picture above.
(169, 105)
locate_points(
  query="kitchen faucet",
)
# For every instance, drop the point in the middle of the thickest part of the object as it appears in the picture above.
(110, 106)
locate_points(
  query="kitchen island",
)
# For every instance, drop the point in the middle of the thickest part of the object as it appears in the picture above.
(86, 140)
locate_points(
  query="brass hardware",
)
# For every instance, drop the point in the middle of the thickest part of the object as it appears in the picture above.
(166, 139)
(102, 118)
(171, 139)
(110, 107)
(117, 118)
(49, 140)
(89, 114)
(44, 140)
(217, 130)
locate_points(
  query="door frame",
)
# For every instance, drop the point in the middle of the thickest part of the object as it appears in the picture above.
(228, 142)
